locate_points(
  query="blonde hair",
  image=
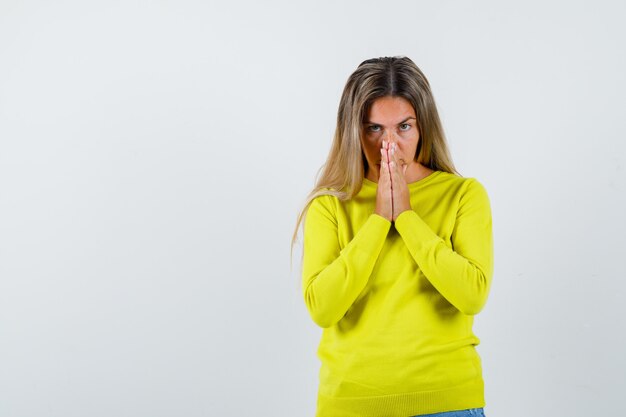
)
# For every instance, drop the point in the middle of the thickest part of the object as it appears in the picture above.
(342, 174)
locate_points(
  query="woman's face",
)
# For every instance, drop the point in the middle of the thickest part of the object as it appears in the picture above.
(392, 119)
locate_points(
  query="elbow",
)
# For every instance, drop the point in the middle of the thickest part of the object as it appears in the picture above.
(320, 315)
(474, 304)
(472, 308)
(322, 321)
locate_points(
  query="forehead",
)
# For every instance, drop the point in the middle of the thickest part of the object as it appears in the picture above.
(390, 110)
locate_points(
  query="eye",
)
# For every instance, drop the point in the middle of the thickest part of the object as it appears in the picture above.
(405, 126)
(373, 128)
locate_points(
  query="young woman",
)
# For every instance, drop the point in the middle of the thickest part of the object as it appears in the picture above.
(398, 256)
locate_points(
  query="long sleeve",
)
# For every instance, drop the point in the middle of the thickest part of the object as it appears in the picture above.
(332, 277)
(463, 273)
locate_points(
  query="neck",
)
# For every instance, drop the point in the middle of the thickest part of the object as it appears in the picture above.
(416, 172)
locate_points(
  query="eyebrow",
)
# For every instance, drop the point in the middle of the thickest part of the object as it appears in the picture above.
(404, 121)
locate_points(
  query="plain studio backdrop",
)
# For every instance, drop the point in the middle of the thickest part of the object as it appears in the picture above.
(154, 156)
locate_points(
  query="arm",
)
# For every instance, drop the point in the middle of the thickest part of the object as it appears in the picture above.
(462, 274)
(332, 278)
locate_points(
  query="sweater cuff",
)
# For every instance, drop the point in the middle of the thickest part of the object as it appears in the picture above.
(374, 229)
(380, 221)
(369, 240)
(414, 231)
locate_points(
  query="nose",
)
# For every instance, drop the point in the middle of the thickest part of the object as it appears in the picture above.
(390, 137)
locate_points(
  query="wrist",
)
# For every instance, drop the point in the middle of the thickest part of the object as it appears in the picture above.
(400, 213)
(388, 218)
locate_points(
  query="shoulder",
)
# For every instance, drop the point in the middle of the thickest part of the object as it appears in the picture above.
(325, 198)
(323, 206)
(474, 197)
(462, 184)
(475, 188)
(467, 193)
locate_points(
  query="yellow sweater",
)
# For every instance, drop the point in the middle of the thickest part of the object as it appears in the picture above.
(396, 300)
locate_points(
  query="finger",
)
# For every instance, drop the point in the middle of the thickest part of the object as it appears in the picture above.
(383, 158)
(389, 164)
(393, 157)
(396, 155)
(396, 176)
(384, 175)
(386, 147)
(399, 163)
(388, 181)
(384, 164)
(394, 149)
(392, 174)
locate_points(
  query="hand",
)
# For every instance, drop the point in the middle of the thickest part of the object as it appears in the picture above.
(384, 198)
(399, 188)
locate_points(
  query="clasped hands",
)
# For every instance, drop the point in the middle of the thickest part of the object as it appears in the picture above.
(392, 195)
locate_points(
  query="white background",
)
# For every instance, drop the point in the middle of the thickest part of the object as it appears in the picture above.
(154, 156)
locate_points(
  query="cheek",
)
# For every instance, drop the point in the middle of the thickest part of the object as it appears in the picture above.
(408, 147)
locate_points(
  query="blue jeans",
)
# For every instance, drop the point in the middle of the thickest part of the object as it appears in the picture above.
(470, 412)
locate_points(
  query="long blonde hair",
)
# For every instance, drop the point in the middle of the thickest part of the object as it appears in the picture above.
(342, 174)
